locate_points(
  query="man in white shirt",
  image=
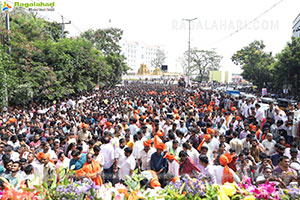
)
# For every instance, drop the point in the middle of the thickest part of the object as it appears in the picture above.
(246, 109)
(108, 153)
(175, 149)
(219, 169)
(144, 156)
(260, 115)
(14, 156)
(269, 144)
(182, 127)
(270, 111)
(173, 164)
(236, 143)
(38, 169)
(98, 156)
(47, 150)
(207, 170)
(137, 147)
(133, 127)
(128, 165)
(193, 153)
(287, 151)
(279, 115)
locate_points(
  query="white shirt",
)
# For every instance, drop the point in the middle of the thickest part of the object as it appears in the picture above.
(137, 148)
(246, 108)
(14, 145)
(260, 114)
(119, 152)
(125, 167)
(38, 169)
(52, 154)
(270, 146)
(237, 145)
(219, 174)
(65, 164)
(174, 168)
(169, 144)
(145, 158)
(209, 153)
(120, 156)
(149, 131)
(280, 116)
(100, 160)
(193, 154)
(214, 144)
(15, 156)
(133, 129)
(287, 152)
(108, 153)
(208, 171)
(175, 152)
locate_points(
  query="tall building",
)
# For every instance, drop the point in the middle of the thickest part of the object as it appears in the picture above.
(296, 26)
(138, 53)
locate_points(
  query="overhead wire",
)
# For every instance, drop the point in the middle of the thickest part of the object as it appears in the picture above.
(246, 25)
(64, 18)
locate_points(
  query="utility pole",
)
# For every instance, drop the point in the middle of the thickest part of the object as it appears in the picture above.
(63, 26)
(189, 42)
(5, 103)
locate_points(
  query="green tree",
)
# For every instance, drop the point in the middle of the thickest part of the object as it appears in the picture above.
(107, 41)
(287, 67)
(201, 63)
(159, 60)
(255, 63)
(42, 66)
(73, 66)
(8, 80)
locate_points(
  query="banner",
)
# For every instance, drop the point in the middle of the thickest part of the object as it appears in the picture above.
(264, 92)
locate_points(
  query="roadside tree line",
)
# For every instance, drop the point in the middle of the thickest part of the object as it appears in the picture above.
(42, 66)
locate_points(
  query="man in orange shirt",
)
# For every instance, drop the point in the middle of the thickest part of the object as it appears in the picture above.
(91, 169)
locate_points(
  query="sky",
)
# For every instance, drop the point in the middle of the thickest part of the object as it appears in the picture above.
(159, 22)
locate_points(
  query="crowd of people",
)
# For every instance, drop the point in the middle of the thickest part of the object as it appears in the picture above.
(162, 132)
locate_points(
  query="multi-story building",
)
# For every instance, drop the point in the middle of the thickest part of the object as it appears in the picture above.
(138, 53)
(296, 26)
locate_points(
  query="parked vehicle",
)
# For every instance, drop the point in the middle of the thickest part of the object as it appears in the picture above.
(285, 103)
(267, 100)
(233, 93)
(247, 96)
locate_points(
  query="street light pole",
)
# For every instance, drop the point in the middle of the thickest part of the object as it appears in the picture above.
(9, 50)
(63, 27)
(189, 42)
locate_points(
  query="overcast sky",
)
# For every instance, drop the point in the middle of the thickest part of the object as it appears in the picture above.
(159, 22)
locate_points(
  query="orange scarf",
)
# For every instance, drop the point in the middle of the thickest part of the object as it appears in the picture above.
(206, 137)
(225, 159)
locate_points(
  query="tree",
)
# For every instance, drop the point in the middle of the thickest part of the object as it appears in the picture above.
(287, 67)
(201, 62)
(7, 77)
(159, 59)
(107, 41)
(42, 66)
(255, 63)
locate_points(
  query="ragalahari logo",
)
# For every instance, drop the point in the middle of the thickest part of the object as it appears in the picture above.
(5, 6)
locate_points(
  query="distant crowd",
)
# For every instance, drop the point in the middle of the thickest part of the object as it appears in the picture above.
(162, 131)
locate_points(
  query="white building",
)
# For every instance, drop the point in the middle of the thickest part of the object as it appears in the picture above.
(138, 53)
(296, 26)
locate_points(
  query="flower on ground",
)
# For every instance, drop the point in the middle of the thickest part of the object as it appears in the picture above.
(249, 198)
(229, 189)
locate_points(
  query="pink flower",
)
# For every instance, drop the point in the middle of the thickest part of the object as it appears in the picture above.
(119, 197)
